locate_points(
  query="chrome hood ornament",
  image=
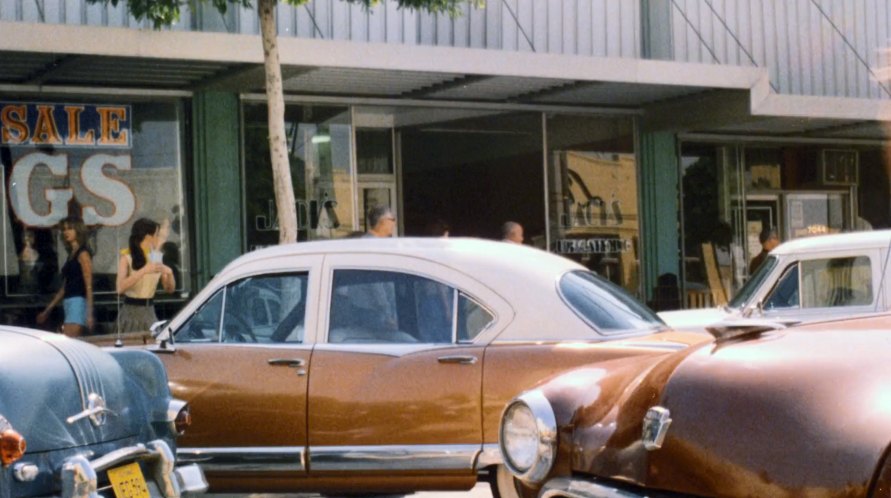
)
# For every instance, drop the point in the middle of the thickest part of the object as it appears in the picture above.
(96, 410)
(655, 427)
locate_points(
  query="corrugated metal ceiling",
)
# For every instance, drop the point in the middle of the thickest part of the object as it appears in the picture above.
(46, 70)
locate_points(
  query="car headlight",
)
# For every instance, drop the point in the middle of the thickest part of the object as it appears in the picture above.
(528, 436)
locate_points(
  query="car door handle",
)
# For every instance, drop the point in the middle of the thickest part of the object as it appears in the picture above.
(459, 359)
(288, 362)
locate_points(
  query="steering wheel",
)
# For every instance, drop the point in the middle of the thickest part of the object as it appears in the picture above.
(237, 329)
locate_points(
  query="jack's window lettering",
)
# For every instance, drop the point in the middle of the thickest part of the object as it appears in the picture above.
(392, 307)
(264, 309)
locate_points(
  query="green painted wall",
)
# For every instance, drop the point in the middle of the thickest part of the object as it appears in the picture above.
(217, 181)
(660, 207)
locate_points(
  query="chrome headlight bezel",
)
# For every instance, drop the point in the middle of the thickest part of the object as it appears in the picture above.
(545, 426)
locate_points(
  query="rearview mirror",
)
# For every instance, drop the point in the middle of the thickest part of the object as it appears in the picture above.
(161, 333)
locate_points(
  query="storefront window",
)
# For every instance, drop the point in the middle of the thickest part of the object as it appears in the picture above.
(319, 145)
(108, 163)
(714, 258)
(734, 193)
(472, 170)
(593, 195)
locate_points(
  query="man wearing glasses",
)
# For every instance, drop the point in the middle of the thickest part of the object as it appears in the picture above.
(381, 222)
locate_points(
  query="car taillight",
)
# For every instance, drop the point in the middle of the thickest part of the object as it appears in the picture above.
(183, 420)
(12, 447)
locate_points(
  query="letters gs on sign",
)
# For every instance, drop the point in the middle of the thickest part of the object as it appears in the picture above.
(106, 129)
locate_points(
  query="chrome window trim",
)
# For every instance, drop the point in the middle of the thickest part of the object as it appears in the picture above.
(395, 350)
(246, 459)
(343, 458)
(393, 457)
(221, 326)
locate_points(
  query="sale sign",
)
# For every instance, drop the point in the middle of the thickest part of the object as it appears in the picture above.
(64, 125)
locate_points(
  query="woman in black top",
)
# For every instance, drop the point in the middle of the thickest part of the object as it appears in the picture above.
(76, 292)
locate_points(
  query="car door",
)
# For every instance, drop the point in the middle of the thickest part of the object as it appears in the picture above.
(826, 285)
(395, 383)
(241, 359)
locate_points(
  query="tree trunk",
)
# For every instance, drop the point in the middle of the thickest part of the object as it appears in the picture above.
(278, 145)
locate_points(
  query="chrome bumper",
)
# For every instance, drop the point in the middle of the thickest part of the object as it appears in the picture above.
(565, 487)
(79, 475)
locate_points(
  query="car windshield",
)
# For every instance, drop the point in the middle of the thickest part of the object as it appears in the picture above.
(604, 305)
(755, 281)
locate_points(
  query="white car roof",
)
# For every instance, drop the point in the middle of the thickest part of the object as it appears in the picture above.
(521, 275)
(478, 257)
(839, 241)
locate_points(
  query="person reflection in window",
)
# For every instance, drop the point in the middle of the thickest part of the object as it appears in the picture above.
(28, 263)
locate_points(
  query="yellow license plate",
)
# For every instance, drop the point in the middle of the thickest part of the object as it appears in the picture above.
(128, 482)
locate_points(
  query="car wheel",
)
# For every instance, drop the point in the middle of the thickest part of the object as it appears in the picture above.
(504, 485)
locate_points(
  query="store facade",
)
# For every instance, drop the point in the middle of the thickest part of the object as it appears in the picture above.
(571, 179)
(734, 188)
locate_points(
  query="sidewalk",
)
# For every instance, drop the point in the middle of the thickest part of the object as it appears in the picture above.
(481, 490)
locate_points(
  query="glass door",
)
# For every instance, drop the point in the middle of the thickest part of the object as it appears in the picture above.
(319, 142)
(376, 171)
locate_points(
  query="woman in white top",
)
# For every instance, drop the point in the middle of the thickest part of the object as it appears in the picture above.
(139, 271)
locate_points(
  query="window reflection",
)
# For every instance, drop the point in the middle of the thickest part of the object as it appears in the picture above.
(106, 162)
(593, 196)
(319, 142)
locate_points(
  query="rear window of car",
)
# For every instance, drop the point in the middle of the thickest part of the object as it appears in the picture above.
(606, 306)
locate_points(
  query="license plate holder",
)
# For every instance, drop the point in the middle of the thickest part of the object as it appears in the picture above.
(128, 481)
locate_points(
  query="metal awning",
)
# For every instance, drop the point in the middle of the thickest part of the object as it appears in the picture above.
(682, 97)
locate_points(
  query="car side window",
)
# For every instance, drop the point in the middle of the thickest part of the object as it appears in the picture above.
(834, 282)
(472, 318)
(370, 306)
(262, 309)
(204, 324)
(265, 309)
(785, 294)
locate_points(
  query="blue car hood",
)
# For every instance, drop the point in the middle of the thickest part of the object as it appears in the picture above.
(47, 378)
